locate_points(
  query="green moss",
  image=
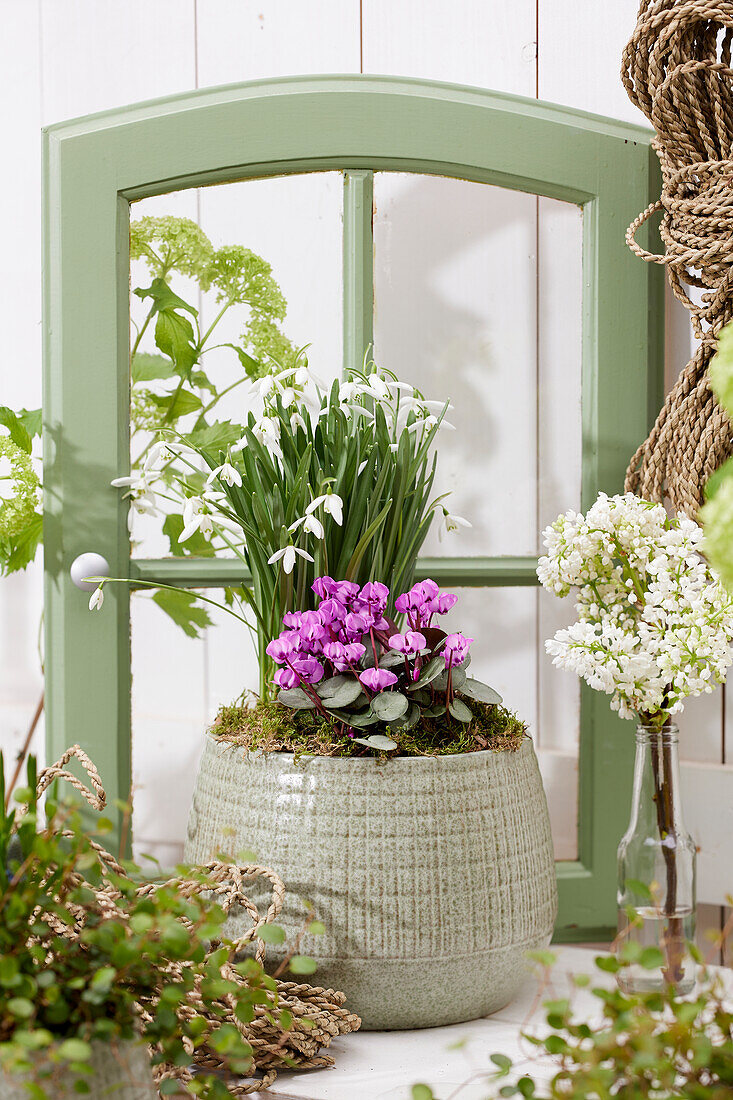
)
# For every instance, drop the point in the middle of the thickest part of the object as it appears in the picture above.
(271, 727)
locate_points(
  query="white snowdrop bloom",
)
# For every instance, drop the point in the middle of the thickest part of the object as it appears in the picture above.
(263, 387)
(378, 388)
(450, 523)
(96, 599)
(159, 452)
(310, 524)
(226, 473)
(348, 391)
(288, 555)
(287, 397)
(400, 387)
(297, 421)
(332, 504)
(267, 431)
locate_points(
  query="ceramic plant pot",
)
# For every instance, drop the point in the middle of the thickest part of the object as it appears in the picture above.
(120, 1071)
(433, 875)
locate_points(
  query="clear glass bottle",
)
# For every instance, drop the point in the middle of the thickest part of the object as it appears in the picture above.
(656, 867)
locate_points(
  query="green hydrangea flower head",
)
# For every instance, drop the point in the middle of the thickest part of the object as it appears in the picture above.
(171, 244)
(266, 343)
(240, 275)
(17, 507)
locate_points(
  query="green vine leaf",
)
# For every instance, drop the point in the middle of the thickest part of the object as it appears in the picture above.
(183, 609)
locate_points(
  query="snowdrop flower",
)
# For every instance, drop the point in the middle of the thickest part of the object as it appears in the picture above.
(288, 557)
(226, 473)
(297, 421)
(96, 599)
(451, 523)
(332, 504)
(311, 526)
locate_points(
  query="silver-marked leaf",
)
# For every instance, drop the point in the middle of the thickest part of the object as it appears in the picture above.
(460, 711)
(431, 670)
(458, 677)
(408, 720)
(339, 691)
(391, 659)
(480, 693)
(359, 719)
(295, 698)
(389, 705)
(377, 741)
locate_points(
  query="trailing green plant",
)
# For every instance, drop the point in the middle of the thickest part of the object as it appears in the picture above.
(171, 387)
(657, 1045)
(86, 957)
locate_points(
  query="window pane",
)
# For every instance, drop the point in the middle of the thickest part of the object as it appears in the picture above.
(478, 300)
(294, 224)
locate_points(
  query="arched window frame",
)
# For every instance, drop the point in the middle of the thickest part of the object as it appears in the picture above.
(96, 166)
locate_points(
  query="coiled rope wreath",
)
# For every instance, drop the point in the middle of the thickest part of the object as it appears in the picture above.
(677, 70)
(318, 1015)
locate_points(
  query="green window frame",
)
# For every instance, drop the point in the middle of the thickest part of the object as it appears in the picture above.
(96, 166)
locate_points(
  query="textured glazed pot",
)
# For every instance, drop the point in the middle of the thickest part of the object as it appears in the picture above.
(120, 1071)
(433, 875)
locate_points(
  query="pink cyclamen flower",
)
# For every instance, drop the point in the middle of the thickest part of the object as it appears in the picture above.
(409, 643)
(357, 623)
(292, 619)
(309, 669)
(311, 626)
(322, 587)
(443, 602)
(377, 679)
(375, 595)
(456, 648)
(331, 611)
(286, 678)
(280, 649)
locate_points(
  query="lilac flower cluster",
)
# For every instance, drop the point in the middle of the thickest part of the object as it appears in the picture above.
(334, 638)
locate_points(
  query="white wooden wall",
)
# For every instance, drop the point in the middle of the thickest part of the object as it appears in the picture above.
(499, 285)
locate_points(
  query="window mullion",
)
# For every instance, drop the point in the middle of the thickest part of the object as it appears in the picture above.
(358, 266)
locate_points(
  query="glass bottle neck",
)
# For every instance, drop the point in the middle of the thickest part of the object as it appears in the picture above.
(656, 804)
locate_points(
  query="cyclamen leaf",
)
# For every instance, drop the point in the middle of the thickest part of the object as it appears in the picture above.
(377, 741)
(390, 705)
(296, 699)
(391, 659)
(480, 693)
(460, 711)
(431, 670)
(339, 691)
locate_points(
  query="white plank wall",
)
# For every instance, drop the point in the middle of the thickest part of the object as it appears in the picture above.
(62, 58)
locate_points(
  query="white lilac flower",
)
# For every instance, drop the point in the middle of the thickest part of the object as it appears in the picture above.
(288, 554)
(311, 526)
(96, 599)
(332, 504)
(450, 523)
(654, 623)
(226, 473)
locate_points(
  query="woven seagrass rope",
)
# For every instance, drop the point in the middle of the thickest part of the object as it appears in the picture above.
(677, 70)
(318, 1015)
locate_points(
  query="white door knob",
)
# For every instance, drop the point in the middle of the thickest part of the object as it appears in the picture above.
(88, 565)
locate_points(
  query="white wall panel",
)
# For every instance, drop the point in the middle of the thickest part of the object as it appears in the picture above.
(20, 372)
(240, 40)
(97, 55)
(490, 44)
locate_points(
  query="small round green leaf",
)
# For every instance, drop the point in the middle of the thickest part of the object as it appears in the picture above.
(480, 693)
(271, 933)
(302, 964)
(460, 711)
(390, 705)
